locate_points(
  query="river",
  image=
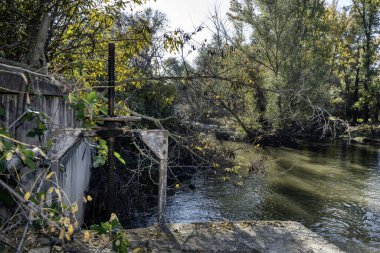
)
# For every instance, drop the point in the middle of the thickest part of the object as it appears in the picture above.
(332, 188)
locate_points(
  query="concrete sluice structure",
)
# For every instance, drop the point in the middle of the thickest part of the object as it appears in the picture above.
(70, 154)
(71, 159)
(23, 94)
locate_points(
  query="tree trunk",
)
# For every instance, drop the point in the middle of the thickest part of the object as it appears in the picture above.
(367, 78)
(261, 104)
(377, 109)
(36, 56)
(356, 87)
(348, 104)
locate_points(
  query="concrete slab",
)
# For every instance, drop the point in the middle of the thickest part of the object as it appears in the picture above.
(242, 236)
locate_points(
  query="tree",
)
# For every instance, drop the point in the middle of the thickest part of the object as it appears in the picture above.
(288, 46)
(367, 15)
(39, 31)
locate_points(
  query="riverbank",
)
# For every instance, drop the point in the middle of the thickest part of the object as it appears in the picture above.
(362, 134)
(365, 133)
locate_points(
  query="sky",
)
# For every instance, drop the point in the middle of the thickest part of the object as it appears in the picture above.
(189, 14)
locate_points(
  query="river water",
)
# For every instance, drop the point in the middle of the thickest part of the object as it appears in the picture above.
(333, 189)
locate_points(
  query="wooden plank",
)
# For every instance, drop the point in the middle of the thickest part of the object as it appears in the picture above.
(17, 84)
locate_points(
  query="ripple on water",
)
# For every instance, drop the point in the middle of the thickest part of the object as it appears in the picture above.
(332, 189)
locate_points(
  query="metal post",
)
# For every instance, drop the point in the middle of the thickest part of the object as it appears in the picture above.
(111, 185)
(162, 193)
(111, 79)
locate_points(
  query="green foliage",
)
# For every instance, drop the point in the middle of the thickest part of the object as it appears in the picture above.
(39, 120)
(8, 149)
(88, 20)
(88, 106)
(300, 64)
(102, 152)
(118, 156)
(26, 156)
(113, 229)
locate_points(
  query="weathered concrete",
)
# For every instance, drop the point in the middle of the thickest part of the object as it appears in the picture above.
(243, 236)
(22, 94)
(71, 159)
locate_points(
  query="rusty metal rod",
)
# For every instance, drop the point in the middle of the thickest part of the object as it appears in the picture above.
(111, 79)
(111, 184)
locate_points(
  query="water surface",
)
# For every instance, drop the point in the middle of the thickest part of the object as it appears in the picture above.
(333, 189)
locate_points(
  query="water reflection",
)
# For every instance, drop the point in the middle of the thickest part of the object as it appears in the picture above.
(334, 189)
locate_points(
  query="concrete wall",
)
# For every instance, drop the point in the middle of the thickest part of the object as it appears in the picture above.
(73, 158)
(74, 175)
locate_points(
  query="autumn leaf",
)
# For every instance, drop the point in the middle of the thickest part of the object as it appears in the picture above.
(70, 229)
(74, 208)
(27, 196)
(51, 228)
(113, 217)
(86, 235)
(61, 234)
(50, 175)
(9, 156)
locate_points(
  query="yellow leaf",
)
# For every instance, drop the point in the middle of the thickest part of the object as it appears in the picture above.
(58, 193)
(89, 198)
(70, 229)
(61, 234)
(68, 237)
(22, 156)
(50, 175)
(137, 250)
(51, 189)
(65, 221)
(177, 186)
(74, 208)
(27, 195)
(199, 148)
(51, 228)
(86, 235)
(113, 217)
(9, 156)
